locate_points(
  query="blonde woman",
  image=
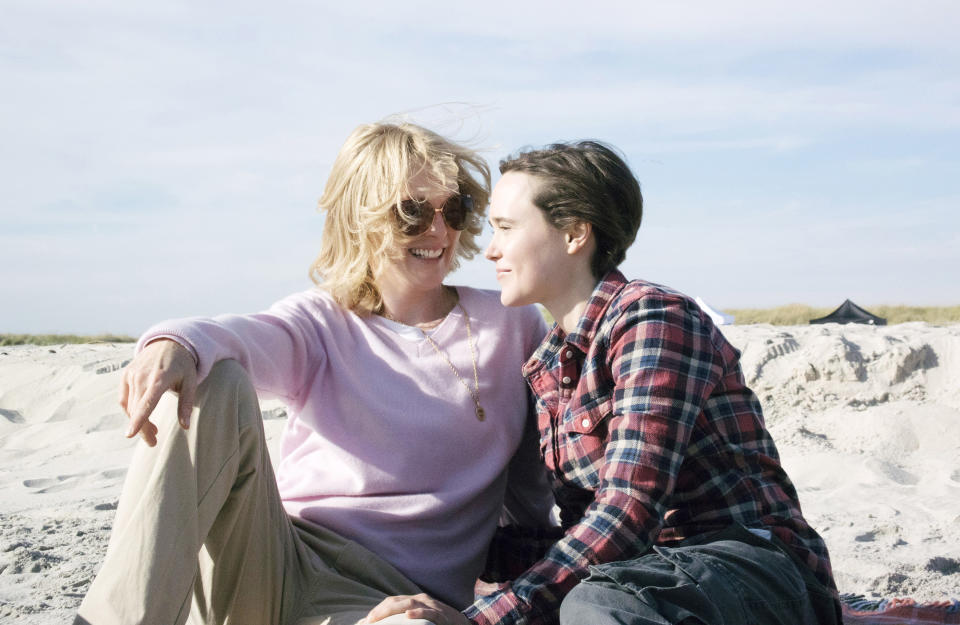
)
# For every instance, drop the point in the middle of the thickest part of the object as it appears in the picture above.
(407, 408)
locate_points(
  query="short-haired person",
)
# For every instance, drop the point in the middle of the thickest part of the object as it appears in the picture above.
(407, 408)
(674, 503)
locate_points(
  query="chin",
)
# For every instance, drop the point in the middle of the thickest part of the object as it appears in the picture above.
(511, 299)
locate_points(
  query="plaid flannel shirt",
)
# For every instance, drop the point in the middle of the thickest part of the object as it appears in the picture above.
(644, 408)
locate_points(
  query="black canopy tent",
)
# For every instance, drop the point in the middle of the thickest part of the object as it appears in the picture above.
(848, 312)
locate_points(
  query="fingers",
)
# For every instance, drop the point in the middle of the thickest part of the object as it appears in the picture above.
(144, 408)
(129, 399)
(427, 614)
(389, 607)
(188, 393)
(161, 366)
(420, 606)
(124, 393)
(149, 433)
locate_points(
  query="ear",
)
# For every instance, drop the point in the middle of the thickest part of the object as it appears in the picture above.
(578, 236)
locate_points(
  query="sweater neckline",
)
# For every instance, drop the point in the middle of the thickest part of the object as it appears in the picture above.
(417, 336)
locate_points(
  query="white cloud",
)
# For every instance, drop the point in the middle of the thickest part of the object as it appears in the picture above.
(178, 148)
(925, 24)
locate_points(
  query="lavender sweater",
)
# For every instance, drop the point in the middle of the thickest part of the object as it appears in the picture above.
(382, 444)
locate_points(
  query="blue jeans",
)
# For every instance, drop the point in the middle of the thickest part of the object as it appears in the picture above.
(732, 577)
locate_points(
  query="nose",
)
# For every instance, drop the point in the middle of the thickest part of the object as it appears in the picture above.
(491, 253)
(438, 224)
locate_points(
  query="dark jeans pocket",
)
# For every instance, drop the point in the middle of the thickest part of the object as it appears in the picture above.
(649, 594)
(727, 582)
(748, 582)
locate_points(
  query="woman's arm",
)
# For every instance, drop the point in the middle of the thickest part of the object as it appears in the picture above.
(279, 348)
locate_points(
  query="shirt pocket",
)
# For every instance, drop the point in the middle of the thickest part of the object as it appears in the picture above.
(582, 439)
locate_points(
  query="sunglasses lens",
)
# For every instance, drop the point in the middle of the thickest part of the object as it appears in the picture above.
(414, 217)
(455, 212)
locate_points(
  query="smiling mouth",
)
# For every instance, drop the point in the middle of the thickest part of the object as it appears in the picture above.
(427, 254)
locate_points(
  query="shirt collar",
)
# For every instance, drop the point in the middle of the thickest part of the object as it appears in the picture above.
(586, 328)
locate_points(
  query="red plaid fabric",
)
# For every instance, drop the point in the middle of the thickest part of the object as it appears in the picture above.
(644, 408)
(899, 612)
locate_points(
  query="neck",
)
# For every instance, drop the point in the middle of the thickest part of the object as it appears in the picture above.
(418, 308)
(568, 306)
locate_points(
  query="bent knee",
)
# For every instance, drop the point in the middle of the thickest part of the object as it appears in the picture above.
(225, 373)
(226, 376)
(229, 389)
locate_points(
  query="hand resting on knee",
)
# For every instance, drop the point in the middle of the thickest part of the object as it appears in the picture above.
(163, 365)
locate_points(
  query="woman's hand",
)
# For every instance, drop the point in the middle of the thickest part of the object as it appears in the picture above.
(161, 366)
(418, 606)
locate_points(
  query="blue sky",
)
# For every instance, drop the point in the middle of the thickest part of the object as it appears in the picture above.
(164, 159)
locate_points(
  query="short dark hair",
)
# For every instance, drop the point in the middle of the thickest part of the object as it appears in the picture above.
(586, 181)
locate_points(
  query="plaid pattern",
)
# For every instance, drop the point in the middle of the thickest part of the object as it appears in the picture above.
(860, 611)
(644, 406)
(514, 549)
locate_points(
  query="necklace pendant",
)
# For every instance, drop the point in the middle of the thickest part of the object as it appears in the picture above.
(481, 414)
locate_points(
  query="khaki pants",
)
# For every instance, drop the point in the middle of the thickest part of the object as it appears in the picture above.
(201, 534)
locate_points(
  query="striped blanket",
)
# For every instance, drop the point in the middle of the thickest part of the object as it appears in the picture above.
(858, 610)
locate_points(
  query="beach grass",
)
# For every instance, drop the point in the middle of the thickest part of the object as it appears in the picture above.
(801, 314)
(788, 315)
(60, 339)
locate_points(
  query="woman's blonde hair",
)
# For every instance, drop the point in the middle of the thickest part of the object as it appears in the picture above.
(369, 178)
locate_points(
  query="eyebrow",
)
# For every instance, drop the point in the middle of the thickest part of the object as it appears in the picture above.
(499, 220)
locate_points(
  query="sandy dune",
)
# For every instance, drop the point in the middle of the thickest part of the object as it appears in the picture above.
(867, 420)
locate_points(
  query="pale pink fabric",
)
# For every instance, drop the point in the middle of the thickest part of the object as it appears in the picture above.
(382, 444)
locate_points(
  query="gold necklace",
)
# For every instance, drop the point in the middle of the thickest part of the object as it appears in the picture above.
(426, 325)
(475, 391)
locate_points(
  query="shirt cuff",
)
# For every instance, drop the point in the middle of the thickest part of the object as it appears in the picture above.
(502, 607)
(151, 338)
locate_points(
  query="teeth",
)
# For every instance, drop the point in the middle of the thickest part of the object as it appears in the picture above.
(420, 253)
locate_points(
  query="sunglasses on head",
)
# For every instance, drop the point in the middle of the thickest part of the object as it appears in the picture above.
(415, 216)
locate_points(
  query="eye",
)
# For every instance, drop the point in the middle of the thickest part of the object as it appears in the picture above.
(412, 207)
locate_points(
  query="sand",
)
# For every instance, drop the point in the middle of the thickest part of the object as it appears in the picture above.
(867, 420)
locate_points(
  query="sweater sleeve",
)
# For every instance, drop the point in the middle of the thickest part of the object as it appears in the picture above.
(280, 348)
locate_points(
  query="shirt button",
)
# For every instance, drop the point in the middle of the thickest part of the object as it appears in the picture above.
(585, 423)
(566, 379)
(569, 354)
